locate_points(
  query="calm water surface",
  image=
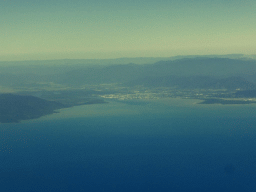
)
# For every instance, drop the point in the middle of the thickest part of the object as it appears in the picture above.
(163, 145)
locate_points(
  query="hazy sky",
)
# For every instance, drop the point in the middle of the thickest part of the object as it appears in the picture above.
(58, 29)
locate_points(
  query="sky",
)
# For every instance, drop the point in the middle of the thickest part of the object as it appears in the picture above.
(101, 29)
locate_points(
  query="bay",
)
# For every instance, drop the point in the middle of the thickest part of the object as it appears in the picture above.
(141, 145)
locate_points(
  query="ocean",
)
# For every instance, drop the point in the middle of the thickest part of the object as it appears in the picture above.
(141, 145)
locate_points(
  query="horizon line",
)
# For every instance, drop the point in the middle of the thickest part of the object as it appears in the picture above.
(116, 58)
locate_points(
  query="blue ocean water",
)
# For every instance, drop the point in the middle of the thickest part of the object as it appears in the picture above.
(143, 146)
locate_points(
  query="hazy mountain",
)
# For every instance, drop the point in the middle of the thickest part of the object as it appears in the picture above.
(206, 66)
(233, 83)
(124, 60)
(194, 82)
(246, 94)
(214, 67)
(79, 74)
(173, 81)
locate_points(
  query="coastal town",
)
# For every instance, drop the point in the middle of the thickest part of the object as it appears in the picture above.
(90, 94)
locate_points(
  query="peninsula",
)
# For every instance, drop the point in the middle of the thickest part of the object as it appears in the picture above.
(15, 108)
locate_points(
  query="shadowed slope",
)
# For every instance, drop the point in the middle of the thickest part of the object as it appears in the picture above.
(14, 108)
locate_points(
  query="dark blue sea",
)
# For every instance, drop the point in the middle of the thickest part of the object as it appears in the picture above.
(164, 145)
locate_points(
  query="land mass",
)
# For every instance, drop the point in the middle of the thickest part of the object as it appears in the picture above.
(227, 79)
(226, 101)
(15, 108)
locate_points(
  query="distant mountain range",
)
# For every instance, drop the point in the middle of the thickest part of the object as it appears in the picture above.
(194, 82)
(124, 60)
(204, 73)
(236, 72)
